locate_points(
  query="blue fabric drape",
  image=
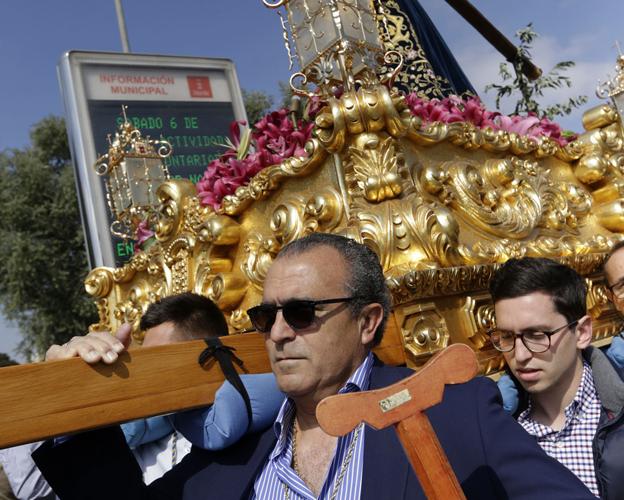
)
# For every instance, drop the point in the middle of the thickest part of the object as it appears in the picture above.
(439, 55)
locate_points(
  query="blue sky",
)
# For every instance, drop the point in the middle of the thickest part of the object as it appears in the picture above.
(34, 34)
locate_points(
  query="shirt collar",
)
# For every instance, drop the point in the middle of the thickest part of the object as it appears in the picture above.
(579, 404)
(358, 381)
(584, 394)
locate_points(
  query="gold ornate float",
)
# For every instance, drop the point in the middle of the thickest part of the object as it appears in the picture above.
(441, 204)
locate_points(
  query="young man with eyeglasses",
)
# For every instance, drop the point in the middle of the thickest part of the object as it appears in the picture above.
(325, 303)
(572, 397)
(614, 273)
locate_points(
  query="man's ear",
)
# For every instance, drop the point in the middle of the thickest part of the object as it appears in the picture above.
(369, 319)
(584, 332)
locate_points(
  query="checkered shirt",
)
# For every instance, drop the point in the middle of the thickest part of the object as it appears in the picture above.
(572, 445)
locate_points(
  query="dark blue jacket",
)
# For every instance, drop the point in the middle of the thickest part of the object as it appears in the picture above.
(490, 453)
(608, 442)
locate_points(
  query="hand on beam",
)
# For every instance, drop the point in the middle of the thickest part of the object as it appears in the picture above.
(93, 347)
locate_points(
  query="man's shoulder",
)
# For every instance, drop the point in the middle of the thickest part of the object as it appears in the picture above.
(229, 472)
(383, 375)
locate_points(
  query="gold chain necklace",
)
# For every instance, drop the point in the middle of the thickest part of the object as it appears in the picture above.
(343, 468)
(174, 449)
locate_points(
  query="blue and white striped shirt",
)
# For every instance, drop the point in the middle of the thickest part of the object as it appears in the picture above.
(277, 473)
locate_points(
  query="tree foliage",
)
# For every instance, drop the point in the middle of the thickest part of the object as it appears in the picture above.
(43, 261)
(5, 360)
(257, 104)
(528, 92)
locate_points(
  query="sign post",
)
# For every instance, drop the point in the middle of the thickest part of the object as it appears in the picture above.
(188, 101)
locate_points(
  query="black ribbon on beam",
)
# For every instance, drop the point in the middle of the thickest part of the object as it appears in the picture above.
(225, 356)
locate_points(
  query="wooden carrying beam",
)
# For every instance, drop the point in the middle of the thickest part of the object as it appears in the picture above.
(43, 400)
(403, 405)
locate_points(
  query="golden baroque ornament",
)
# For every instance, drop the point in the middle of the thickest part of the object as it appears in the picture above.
(365, 110)
(507, 198)
(376, 167)
(270, 178)
(407, 230)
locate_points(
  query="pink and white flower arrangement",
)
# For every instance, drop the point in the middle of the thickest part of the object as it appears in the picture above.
(273, 139)
(455, 109)
(144, 236)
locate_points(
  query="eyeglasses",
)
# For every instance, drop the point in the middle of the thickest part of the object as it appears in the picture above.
(536, 342)
(617, 289)
(299, 314)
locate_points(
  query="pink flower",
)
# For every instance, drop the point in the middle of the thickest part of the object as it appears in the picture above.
(143, 234)
(274, 139)
(313, 106)
(517, 124)
(471, 110)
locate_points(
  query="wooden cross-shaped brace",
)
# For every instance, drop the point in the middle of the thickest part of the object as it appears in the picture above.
(403, 405)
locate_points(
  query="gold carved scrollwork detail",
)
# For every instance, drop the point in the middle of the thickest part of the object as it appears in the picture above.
(469, 137)
(376, 166)
(138, 263)
(131, 309)
(323, 211)
(177, 260)
(287, 220)
(259, 253)
(411, 284)
(104, 314)
(599, 116)
(270, 178)
(365, 110)
(291, 219)
(599, 147)
(99, 282)
(408, 230)
(297, 216)
(597, 299)
(219, 230)
(550, 247)
(477, 317)
(227, 290)
(497, 251)
(424, 331)
(485, 320)
(507, 198)
(602, 167)
(239, 320)
(565, 207)
(172, 195)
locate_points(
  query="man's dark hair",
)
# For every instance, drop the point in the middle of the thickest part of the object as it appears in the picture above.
(194, 316)
(519, 277)
(366, 278)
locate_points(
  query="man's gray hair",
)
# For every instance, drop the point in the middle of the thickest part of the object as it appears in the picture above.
(366, 279)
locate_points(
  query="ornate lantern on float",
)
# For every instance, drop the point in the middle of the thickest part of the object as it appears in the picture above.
(336, 42)
(614, 88)
(134, 168)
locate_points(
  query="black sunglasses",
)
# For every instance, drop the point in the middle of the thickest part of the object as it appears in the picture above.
(299, 314)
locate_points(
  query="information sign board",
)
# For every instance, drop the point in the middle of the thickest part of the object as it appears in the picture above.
(188, 101)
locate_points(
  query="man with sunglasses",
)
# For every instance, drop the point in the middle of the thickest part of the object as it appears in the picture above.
(571, 396)
(324, 307)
